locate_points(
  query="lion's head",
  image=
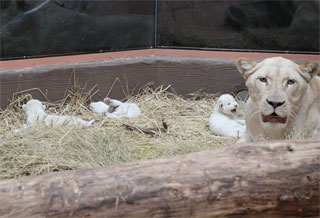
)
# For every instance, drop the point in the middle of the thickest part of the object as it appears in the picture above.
(278, 89)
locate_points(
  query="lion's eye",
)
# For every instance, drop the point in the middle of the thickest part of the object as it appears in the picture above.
(291, 82)
(263, 79)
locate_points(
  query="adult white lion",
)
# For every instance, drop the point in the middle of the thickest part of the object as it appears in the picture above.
(283, 97)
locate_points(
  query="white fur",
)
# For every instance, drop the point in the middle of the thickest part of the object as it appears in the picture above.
(296, 90)
(222, 121)
(35, 112)
(99, 107)
(122, 109)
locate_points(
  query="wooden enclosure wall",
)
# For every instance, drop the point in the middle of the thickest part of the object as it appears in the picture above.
(186, 72)
(185, 75)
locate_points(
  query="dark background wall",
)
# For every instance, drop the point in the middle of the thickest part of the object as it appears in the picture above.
(240, 24)
(57, 27)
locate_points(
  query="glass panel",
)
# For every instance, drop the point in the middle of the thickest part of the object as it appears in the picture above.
(57, 27)
(240, 24)
(49, 27)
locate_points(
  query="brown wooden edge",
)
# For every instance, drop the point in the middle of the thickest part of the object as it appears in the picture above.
(85, 58)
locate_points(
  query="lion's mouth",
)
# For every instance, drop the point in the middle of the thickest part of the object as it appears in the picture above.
(274, 118)
(234, 111)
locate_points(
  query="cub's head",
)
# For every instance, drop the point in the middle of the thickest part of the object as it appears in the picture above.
(33, 105)
(227, 104)
(277, 86)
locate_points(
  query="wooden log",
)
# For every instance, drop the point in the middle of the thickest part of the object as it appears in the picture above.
(269, 179)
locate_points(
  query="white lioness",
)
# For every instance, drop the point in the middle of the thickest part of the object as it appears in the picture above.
(283, 97)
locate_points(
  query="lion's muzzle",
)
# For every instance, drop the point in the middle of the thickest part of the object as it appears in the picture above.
(274, 118)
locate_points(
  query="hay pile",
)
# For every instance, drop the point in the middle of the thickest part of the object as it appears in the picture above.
(177, 126)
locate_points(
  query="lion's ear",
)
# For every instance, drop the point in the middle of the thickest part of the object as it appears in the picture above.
(309, 70)
(245, 66)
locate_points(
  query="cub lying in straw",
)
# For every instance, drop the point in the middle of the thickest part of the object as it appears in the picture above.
(99, 107)
(222, 121)
(34, 110)
(283, 97)
(114, 108)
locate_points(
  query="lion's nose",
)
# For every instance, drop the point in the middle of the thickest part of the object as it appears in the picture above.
(275, 104)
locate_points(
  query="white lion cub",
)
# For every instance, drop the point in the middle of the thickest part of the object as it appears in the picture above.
(222, 121)
(120, 109)
(114, 108)
(99, 107)
(35, 111)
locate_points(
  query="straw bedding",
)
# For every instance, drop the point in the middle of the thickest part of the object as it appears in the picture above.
(169, 125)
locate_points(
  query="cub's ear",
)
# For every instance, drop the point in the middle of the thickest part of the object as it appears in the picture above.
(43, 107)
(245, 66)
(309, 70)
